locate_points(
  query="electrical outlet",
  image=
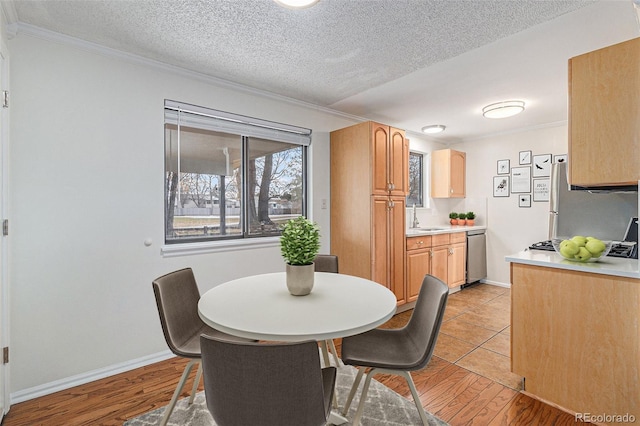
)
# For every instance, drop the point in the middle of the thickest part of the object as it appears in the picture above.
(323, 205)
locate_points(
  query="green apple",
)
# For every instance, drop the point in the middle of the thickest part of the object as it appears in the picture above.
(583, 255)
(569, 249)
(579, 240)
(595, 247)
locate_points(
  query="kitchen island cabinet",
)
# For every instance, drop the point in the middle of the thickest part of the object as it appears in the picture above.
(604, 116)
(575, 334)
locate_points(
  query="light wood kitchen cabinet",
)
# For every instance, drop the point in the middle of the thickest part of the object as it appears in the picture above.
(390, 160)
(448, 173)
(440, 257)
(369, 181)
(388, 244)
(457, 261)
(604, 116)
(418, 264)
(575, 339)
(449, 258)
(446, 260)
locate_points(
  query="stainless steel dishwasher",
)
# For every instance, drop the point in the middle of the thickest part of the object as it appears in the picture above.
(476, 256)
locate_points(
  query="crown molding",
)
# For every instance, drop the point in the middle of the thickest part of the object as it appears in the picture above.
(37, 32)
(9, 11)
(520, 130)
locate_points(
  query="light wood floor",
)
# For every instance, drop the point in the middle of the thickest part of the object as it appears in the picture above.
(467, 381)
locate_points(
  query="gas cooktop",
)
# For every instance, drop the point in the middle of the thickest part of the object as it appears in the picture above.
(626, 249)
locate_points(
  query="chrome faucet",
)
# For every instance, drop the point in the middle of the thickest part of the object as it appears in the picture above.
(415, 223)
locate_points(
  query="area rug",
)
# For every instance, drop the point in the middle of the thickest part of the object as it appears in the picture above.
(383, 407)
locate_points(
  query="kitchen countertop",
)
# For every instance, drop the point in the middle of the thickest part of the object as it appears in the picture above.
(615, 266)
(441, 229)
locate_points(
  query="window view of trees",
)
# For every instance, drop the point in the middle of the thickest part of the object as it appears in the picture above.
(210, 195)
(415, 180)
(275, 183)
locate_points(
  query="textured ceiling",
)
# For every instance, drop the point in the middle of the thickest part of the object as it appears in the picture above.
(337, 54)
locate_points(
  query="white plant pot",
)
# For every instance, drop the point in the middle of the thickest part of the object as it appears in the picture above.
(300, 279)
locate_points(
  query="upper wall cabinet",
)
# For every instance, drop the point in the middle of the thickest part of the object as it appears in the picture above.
(604, 116)
(390, 156)
(448, 171)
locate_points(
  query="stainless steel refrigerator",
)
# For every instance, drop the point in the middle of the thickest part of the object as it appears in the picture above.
(603, 215)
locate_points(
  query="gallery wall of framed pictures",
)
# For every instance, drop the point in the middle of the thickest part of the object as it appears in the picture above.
(528, 180)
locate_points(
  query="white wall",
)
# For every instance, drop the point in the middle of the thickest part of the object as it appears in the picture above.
(86, 180)
(510, 228)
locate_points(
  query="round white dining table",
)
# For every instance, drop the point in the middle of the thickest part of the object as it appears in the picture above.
(260, 307)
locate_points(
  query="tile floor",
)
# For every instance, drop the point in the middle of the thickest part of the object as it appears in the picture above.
(475, 333)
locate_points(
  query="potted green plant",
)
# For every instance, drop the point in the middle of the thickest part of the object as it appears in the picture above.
(453, 218)
(471, 216)
(462, 219)
(299, 245)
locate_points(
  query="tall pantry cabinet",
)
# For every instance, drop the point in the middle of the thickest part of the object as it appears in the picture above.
(369, 185)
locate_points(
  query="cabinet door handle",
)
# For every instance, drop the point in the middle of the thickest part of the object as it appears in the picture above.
(451, 190)
(420, 242)
(450, 251)
(431, 253)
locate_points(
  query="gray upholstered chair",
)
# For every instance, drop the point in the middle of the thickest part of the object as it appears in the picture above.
(266, 384)
(398, 351)
(327, 263)
(177, 297)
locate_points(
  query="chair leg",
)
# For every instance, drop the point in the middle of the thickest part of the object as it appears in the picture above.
(196, 382)
(363, 397)
(335, 352)
(176, 394)
(325, 353)
(416, 398)
(352, 393)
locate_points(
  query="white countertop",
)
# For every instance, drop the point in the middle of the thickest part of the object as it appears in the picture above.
(615, 266)
(441, 229)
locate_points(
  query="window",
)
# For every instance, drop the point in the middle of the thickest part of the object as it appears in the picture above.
(416, 181)
(229, 176)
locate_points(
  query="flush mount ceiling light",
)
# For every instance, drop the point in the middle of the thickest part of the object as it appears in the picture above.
(296, 4)
(503, 109)
(434, 128)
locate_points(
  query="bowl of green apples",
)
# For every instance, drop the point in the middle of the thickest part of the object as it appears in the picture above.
(581, 249)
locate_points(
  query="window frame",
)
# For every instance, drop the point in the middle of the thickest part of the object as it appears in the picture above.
(245, 128)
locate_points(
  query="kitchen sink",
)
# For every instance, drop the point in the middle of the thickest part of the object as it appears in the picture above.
(427, 229)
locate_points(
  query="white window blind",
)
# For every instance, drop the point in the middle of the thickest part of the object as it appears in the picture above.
(210, 119)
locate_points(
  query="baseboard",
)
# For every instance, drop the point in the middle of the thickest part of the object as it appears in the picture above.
(496, 283)
(90, 376)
